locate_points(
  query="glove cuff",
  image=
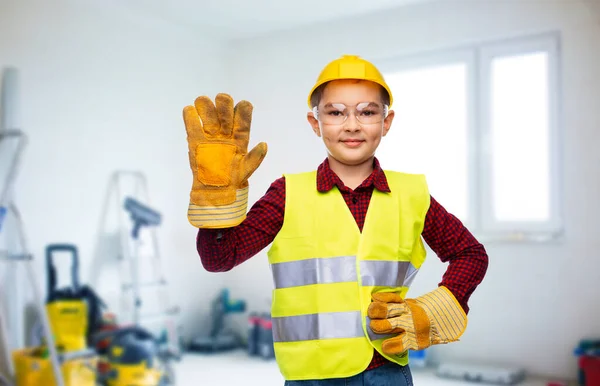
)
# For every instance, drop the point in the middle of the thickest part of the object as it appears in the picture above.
(446, 314)
(220, 216)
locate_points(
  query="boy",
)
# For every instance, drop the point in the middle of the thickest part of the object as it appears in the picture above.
(346, 238)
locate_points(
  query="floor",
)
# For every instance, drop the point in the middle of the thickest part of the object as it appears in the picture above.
(237, 368)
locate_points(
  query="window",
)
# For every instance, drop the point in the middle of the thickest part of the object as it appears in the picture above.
(482, 124)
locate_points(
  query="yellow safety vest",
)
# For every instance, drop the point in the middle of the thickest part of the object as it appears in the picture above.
(325, 270)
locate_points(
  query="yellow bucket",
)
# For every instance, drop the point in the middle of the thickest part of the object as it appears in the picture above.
(31, 369)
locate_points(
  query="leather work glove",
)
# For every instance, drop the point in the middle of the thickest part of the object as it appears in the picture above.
(434, 318)
(218, 136)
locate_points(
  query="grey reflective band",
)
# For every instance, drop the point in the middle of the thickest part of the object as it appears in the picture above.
(410, 275)
(342, 269)
(327, 325)
(386, 273)
(315, 271)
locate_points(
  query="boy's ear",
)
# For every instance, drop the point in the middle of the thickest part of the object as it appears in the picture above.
(314, 123)
(387, 122)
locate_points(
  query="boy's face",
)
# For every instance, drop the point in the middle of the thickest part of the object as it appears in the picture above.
(352, 141)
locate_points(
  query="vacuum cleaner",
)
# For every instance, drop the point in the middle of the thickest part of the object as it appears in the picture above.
(134, 358)
(219, 337)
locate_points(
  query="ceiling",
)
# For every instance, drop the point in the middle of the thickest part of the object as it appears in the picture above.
(235, 19)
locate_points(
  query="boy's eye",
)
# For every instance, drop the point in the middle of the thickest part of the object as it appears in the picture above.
(335, 113)
(368, 113)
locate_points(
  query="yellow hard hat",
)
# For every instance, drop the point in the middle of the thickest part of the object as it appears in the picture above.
(350, 67)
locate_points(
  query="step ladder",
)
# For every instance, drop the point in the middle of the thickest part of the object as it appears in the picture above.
(143, 284)
(12, 145)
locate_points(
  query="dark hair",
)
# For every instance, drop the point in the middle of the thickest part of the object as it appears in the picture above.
(315, 98)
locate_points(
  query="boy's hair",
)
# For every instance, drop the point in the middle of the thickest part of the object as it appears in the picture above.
(315, 98)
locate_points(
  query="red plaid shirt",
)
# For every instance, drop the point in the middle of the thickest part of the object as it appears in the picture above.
(221, 250)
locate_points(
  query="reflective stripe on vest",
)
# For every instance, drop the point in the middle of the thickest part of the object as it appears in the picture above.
(327, 325)
(342, 269)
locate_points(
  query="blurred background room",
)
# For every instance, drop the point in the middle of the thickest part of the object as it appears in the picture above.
(497, 102)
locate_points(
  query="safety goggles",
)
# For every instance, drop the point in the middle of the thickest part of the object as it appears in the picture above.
(367, 113)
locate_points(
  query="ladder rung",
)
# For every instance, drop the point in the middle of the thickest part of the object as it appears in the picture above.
(87, 353)
(158, 315)
(5, 255)
(147, 284)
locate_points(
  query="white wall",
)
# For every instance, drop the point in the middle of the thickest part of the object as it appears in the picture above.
(537, 301)
(104, 90)
(594, 7)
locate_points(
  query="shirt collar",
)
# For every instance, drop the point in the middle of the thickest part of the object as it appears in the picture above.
(327, 179)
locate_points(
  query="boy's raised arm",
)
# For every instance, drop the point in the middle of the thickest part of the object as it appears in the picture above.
(221, 250)
(218, 135)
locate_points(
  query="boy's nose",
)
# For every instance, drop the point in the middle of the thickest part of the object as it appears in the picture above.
(351, 123)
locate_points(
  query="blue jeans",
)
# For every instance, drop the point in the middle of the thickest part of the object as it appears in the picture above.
(390, 374)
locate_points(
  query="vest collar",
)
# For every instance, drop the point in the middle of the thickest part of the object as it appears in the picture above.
(327, 179)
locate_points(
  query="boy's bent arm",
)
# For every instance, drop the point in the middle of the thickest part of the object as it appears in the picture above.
(438, 316)
(454, 243)
(221, 250)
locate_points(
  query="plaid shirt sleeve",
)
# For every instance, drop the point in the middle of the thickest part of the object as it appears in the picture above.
(453, 243)
(221, 250)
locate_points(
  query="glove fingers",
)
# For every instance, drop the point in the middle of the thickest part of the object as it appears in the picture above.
(391, 325)
(242, 118)
(385, 305)
(387, 297)
(253, 159)
(379, 310)
(381, 326)
(396, 345)
(208, 115)
(224, 107)
(193, 126)
(396, 309)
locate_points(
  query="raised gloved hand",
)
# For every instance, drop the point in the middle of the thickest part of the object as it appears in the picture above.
(434, 318)
(218, 136)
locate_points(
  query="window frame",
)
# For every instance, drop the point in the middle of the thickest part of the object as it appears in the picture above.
(478, 59)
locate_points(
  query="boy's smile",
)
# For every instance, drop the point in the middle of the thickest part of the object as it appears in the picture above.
(352, 143)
